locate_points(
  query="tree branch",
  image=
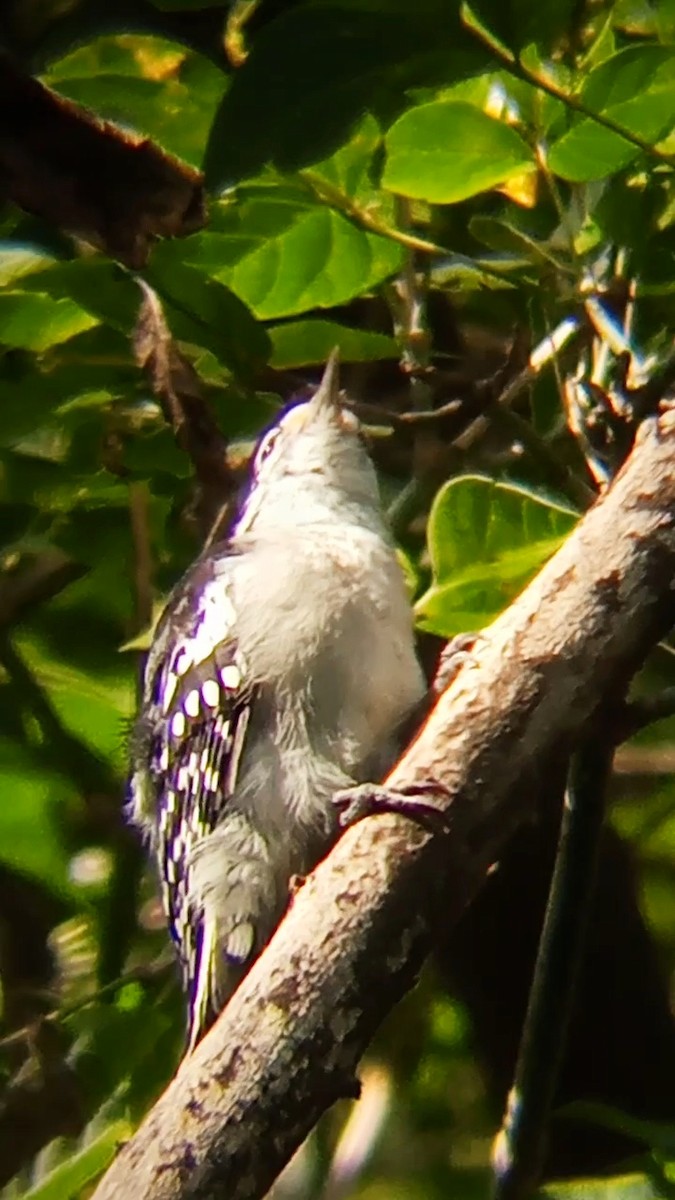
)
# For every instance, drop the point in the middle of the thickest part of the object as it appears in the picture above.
(355, 936)
(43, 1101)
(179, 391)
(33, 580)
(519, 1149)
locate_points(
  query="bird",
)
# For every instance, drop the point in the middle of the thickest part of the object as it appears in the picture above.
(281, 670)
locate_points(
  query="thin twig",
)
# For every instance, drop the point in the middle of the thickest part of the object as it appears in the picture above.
(496, 410)
(164, 965)
(345, 204)
(519, 1148)
(407, 298)
(516, 67)
(33, 580)
(180, 394)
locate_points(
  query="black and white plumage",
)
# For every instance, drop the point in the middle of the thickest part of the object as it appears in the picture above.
(280, 671)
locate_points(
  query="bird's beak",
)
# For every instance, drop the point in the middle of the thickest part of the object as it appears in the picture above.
(327, 396)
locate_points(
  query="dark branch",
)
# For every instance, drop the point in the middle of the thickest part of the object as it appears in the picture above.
(42, 1101)
(33, 580)
(179, 391)
(520, 1146)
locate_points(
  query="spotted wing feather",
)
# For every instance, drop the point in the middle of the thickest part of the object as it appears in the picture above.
(199, 704)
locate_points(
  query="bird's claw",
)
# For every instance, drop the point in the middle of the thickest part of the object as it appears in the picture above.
(295, 883)
(367, 799)
(457, 653)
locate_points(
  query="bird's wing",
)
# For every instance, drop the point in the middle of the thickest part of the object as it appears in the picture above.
(193, 730)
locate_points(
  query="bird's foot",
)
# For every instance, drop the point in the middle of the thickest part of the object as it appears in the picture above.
(295, 884)
(367, 799)
(457, 654)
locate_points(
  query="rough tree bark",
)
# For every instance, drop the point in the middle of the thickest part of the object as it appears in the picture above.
(357, 933)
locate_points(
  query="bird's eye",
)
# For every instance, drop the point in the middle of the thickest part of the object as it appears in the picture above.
(266, 447)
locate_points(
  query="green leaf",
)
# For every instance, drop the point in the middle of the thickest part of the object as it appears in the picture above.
(636, 89)
(241, 418)
(23, 413)
(100, 287)
(410, 572)
(300, 342)
(623, 76)
(205, 311)
(656, 1135)
(93, 369)
(117, 1058)
(17, 261)
(502, 236)
(348, 180)
(518, 22)
(314, 70)
(92, 703)
(69, 1179)
(34, 322)
(645, 19)
(156, 451)
(158, 88)
(284, 253)
(199, 310)
(464, 274)
(39, 797)
(486, 540)
(53, 487)
(617, 1187)
(349, 169)
(446, 151)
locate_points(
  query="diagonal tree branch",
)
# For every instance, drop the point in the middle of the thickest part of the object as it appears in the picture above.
(288, 1044)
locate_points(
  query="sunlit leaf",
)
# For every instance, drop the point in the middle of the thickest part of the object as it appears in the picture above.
(486, 540)
(35, 322)
(445, 151)
(634, 88)
(314, 70)
(17, 260)
(147, 84)
(616, 1187)
(200, 310)
(300, 342)
(351, 167)
(284, 253)
(69, 1179)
